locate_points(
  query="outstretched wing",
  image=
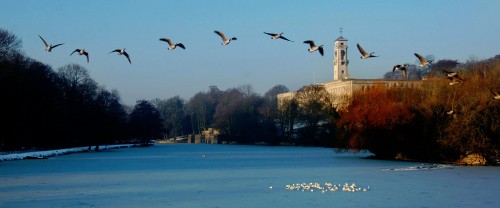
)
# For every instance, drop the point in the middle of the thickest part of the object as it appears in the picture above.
(164, 39)
(57, 45)
(87, 55)
(221, 35)
(310, 42)
(117, 50)
(180, 45)
(271, 34)
(320, 49)
(420, 58)
(44, 42)
(168, 41)
(361, 50)
(76, 50)
(395, 67)
(285, 38)
(128, 57)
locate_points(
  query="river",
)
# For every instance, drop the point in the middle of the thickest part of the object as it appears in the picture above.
(200, 175)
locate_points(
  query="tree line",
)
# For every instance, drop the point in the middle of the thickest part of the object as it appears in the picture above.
(46, 108)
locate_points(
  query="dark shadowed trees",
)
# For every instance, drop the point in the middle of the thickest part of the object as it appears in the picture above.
(316, 114)
(41, 108)
(201, 109)
(145, 122)
(9, 44)
(173, 114)
(271, 120)
(238, 116)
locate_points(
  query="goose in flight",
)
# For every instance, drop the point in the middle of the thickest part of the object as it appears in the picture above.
(275, 36)
(496, 94)
(450, 73)
(423, 62)
(81, 52)
(225, 41)
(49, 47)
(455, 80)
(122, 52)
(172, 46)
(313, 47)
(401, 67)
(364, 54)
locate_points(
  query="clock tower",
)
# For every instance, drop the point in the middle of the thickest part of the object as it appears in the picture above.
(340, 61)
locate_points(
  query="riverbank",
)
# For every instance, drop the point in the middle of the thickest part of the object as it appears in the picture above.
(52, 153)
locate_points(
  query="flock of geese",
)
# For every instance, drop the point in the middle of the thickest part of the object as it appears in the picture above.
(453, 76)
(225, 41)
(172, 46)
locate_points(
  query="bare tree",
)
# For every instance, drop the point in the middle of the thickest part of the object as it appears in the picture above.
(9, 43)
(172, 112)
(315, 108)
(74, 74)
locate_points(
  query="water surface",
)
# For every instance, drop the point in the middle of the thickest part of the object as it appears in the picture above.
(189, 175)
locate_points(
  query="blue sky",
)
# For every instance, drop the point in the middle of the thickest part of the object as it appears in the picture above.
(394, 30)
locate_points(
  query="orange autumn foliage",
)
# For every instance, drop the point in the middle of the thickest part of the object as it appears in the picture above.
(377, 108)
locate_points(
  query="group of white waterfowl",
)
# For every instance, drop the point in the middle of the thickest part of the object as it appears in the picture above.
(326, 187)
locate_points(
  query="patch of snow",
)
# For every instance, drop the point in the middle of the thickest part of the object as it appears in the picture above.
(52, 153)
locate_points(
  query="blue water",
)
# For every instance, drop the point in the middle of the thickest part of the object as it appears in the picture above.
(193, 175)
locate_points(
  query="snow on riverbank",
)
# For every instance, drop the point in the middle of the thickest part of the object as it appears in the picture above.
(52, 153)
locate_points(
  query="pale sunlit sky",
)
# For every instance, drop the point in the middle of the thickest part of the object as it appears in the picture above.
(394, 30)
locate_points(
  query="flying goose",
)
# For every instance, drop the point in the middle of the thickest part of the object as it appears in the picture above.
(172, 46)
(81, 52)
(48, 47)
(313, 47)
(401, 67)
(364, 54)
(122, 52)
(455, 80)
(496, 94)
(225, 41)
(450, 73)
(275, 36)
(423, 62)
